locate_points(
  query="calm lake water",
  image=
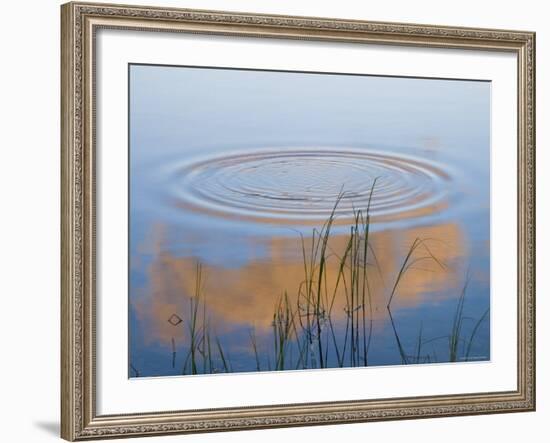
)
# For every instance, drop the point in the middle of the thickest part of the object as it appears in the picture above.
(233, 174)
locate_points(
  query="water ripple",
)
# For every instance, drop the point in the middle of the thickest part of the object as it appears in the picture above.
(301, 185)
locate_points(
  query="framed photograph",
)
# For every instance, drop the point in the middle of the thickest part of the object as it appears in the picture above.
(281, 221)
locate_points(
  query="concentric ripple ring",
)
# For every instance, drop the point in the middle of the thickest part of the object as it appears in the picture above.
(302, 185)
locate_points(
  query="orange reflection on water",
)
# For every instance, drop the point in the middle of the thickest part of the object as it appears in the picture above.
(247, 295)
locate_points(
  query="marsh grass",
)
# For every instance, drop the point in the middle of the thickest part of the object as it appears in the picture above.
(305, 333)
(202, 357)
(133, 368)
(459, 349)
(173, 353)
(474, 332)
(455, 337)
(458, 320)
(254, 344)
(283, 329)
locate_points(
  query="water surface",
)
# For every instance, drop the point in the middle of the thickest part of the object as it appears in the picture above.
(232, 174)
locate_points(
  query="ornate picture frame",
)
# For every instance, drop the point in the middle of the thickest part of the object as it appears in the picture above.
(80, 23)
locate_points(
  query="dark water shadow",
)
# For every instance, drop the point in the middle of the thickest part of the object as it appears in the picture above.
(49, 427)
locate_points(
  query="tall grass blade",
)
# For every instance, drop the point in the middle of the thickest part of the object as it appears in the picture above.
(474, 332)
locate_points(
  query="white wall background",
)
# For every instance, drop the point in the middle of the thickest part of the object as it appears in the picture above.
(29, 220)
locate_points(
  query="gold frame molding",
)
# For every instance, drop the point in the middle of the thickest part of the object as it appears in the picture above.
(79, 22)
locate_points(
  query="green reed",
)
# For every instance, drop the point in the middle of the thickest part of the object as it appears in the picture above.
(316, 302)
(455, 334)
(283, 330)
(474, 332)
(254, 343)
(455, 337)
(200, 335)
(195, 335)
